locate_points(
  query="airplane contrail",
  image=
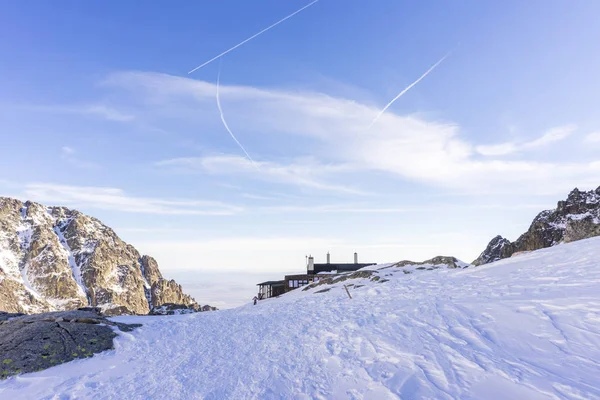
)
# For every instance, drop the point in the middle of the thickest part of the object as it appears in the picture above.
(408, 88)
(253, 36)
(225, 122)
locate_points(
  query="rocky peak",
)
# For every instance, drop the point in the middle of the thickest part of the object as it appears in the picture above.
(54, 259)
(576, 218)
(150, 270)
(497, 249)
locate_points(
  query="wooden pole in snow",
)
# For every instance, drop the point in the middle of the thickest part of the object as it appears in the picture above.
(347, 291)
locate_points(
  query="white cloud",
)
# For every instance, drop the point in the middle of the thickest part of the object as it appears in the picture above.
(67, 150)
(374, 209)
(593, 137)
(105, 112)
(96, 110)
(408, 146)
(551, 136)
(253, 196)
(116, 199)
(304, 173)
(497, 149)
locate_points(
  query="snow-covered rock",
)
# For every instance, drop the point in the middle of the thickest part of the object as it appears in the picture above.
(54, 258)
(178, 309)
(497, 249)
(439, 261)
(576, 218)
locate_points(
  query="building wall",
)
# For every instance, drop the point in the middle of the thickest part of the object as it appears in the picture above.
(295, 281)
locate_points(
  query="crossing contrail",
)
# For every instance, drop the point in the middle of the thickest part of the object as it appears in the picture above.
(408, 88)
(253, 36)
(225, 122)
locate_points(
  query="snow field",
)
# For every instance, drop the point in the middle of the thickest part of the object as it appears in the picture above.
(524, 327)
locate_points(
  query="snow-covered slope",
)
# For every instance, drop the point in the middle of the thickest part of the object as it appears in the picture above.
(527, 327)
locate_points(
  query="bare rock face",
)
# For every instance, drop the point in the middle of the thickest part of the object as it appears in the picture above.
(578, 229)
(54, 259)
(164, 291)
(497, 249)
(150, 270)
(576, 218)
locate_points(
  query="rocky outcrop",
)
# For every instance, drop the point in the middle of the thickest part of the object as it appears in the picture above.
(178, 309)
(34, 342)
(54, 258)
(497, 249)
(448, 261)
(164, 291)
(578, 229)
(150, 270)
(576, 218)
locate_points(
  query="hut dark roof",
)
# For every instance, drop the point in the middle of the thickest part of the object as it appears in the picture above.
(271, 283)
(340, 267)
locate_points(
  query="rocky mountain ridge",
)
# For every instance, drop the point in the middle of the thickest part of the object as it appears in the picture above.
(55, 259)
(576, 218)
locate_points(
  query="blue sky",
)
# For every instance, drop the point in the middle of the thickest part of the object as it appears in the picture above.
(97, 112)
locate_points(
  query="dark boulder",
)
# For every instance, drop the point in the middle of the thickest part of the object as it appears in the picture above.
(31, 343)
(6, 315)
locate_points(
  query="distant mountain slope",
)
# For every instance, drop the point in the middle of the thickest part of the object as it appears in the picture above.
(54, 258)
(522, 328)
(576, 218)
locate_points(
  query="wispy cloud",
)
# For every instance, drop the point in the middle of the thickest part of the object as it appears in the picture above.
(411, 147)
(116, 199)
(104, 111)
(303, 173)
(374, 209)
(257, 196)
(593, 137)
(66, 150)
(94, 110)
(154, 231)
(69, 155)
(553, 135)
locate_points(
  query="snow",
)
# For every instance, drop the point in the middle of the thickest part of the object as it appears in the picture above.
(523, 327)
(8, 259)
(75, 267)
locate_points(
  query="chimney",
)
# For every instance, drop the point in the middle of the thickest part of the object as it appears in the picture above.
(310, 267)
(328, 258)
(355, 258)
